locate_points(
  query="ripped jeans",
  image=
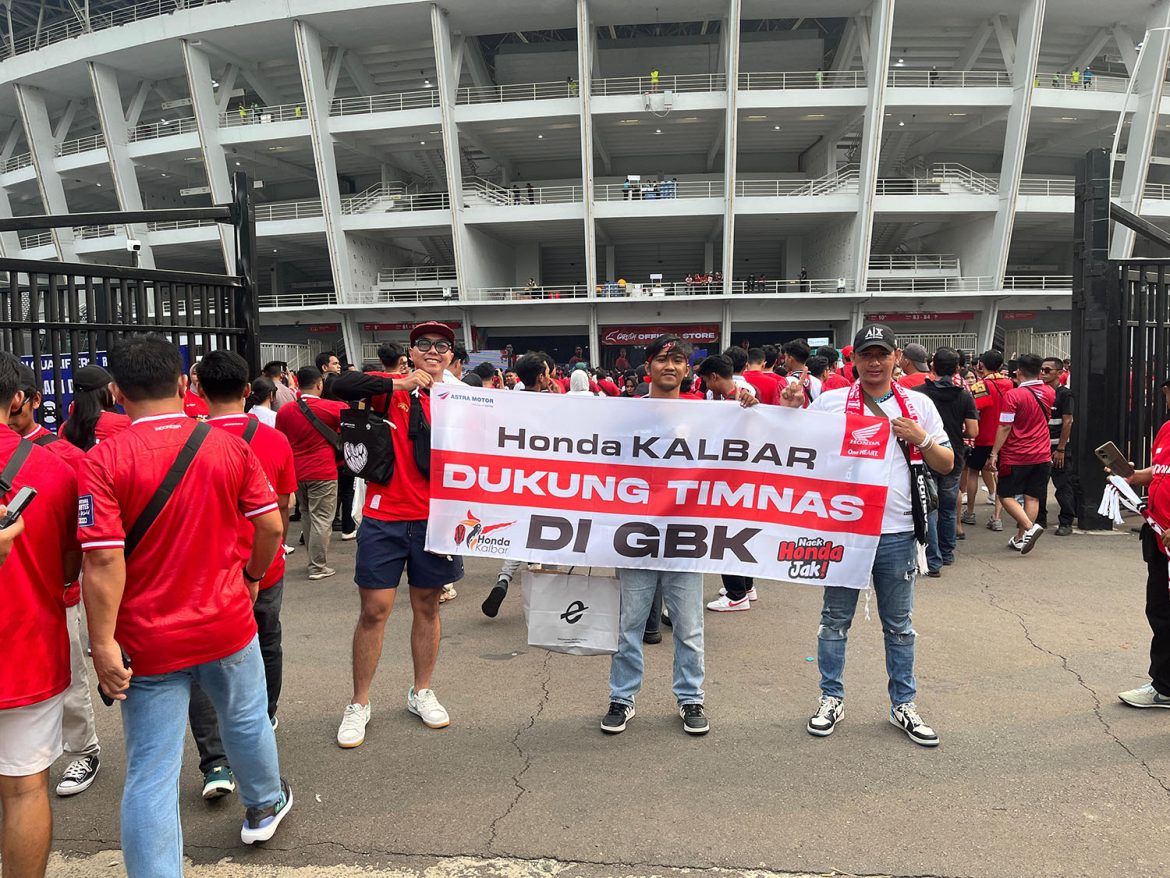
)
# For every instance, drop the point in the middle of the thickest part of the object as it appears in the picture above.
(894, 573)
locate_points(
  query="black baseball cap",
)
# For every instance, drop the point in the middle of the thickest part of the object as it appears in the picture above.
(91, 377)
(875, 335)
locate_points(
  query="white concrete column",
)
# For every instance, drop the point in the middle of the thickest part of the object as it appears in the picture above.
(877, 69)
(730, 132)
(1016, 140)
(206, 111)
(444, 63)
(351, 336)
(108, 105)
(594, 336)
(318, 97)
(38, 131)
(1148, 85)
(468, 335)
(725, 326)
(586, 37)
(988, 318)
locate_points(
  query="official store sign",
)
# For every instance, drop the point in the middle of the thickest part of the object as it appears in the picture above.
(616, 336)
(658, 484)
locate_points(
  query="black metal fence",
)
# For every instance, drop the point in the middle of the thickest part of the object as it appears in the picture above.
(1143, 353)
(59, 316)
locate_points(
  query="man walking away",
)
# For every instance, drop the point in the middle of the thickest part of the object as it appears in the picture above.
(1064, 475)
(34, 640)
(224, 386)
(1022, 454)
(989, 392)
(915, 372)
(167, 611)
(306, 425)
(917, 426)
(960, 419)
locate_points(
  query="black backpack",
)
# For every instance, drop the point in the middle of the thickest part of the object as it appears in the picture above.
(367, 442)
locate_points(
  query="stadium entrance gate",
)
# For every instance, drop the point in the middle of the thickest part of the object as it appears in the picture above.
(1120, 334)
(58, 317)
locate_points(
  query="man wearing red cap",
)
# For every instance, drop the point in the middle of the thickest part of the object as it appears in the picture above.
(393, 533)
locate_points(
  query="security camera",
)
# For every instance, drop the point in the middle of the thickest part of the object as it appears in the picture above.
(133, 245)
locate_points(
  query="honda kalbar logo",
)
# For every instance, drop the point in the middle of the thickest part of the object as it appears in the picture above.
(474, 534)
(574, 613)
(865, 437)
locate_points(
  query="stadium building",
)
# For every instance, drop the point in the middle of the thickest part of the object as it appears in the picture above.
(585, 173)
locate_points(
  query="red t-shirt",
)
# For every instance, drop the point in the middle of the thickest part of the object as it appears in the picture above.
(608, 387)
(766, 385)
(194, 405)
(109, 424)
(834, 381)
(185, 601)
(34, 642)
(1159, 496)
(622, 364)
(315, 458)
(989, 394)
(915, 380)
(276, 457)
(408, 496)
(73, 456)
(1027, 408)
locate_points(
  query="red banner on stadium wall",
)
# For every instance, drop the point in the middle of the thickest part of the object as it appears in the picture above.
(324, 327)
(616, 336)
(1017, 315)
(916, 316)
(405, 327)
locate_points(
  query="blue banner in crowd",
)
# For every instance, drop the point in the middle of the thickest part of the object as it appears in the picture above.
(51, 414)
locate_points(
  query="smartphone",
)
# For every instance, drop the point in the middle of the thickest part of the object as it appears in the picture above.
(1110, 455)
(19, 503)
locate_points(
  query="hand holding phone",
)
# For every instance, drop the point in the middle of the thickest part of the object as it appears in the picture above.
(8, 535)
(19, 503)
(1110, 455)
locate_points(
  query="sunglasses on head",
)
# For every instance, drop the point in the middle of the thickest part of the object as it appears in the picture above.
(425, 344)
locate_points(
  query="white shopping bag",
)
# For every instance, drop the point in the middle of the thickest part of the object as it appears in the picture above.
(359, 500)
(573, 613)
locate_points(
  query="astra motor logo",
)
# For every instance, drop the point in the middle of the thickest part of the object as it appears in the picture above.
(865, 437)
(809, 557)
(461, 396)
(473, 533)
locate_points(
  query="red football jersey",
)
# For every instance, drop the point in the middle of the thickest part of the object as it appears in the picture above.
(34, 642)
(185, 601)
(72, 455)
(766, 384)
(834, 381)
(194, 405)
(315, 458)
(276, 457)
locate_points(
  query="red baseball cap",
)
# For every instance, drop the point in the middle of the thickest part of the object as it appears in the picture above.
(847, 352)
(432, 327)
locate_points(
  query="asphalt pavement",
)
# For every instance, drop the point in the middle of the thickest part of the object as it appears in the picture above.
(1041, 770)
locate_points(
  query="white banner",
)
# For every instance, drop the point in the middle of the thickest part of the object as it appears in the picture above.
(769, 492)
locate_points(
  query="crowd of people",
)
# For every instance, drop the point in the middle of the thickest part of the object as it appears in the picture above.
(186, 633)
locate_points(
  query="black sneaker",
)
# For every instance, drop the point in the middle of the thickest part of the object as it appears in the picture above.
(260, 823)
(218, 782)
(78, 775)
(652, 637)
(830, 712)
(694, 719)
(905, 716)
(619, 714)
(491, 604)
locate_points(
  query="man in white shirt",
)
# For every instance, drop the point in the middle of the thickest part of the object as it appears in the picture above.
(720, 379)
(917, 437)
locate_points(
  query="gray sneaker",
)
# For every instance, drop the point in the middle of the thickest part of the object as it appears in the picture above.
(995, 524)
(1063, 530)
(1145, 696)
(968, 518)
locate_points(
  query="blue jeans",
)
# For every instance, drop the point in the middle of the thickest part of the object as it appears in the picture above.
(894, 572)
(683, 595)
(940, 542)
(154, 720)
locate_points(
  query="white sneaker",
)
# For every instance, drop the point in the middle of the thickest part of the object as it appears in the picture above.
(449, 594)
(352, 732)
(724, 604)
(323, 574)
(1028, 540)
(1015, 545)
(751, 595)
(426, 707)
(1143, 696)
(352, 535)
(288, 550)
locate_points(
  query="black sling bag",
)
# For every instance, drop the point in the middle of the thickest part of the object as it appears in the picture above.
(328, 435)
(367, 442)
(171, 481)
(13, 467)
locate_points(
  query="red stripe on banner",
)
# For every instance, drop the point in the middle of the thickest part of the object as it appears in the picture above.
(816, 505)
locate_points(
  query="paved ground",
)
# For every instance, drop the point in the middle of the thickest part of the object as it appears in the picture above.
(1042, 772)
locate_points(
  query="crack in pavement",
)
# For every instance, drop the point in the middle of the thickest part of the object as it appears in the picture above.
(994, 600)
(493, 828)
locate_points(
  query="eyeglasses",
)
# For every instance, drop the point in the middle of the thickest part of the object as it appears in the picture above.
(1047, 369)
(425, 344)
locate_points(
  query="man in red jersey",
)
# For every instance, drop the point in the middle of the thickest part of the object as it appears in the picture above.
(224, 386)
(766, 384)
(167, 611)
(316, 462)
(989, 392)
(34, 642)
(833, 379)
(1022, 454)
(914, 365)
(392, 535)
(193, 404)
(78, 729)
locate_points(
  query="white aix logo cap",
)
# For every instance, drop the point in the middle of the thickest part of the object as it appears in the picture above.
(875, 335)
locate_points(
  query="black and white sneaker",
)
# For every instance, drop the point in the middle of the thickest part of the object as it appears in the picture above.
(830, 712)
(491, 604)
(905, 716)
(78, 775)
(615, 721)
(694, 719)
(1028, 540)
(260, 823)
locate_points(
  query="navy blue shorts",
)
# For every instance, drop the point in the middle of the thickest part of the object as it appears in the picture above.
(385, 548)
